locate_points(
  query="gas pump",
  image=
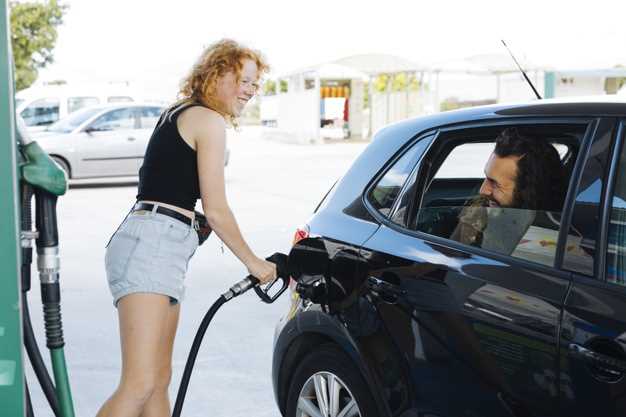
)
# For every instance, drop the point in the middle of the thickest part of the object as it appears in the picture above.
(12, 381)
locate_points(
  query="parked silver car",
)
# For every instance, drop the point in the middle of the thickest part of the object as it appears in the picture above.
(101, 141)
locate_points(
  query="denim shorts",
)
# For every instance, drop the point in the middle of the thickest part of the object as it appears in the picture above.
(149, 253)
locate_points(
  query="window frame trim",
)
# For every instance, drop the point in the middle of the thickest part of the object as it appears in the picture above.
(599, 268)
(415, 170)
(596, 128)
(430, 134)
(589, 136)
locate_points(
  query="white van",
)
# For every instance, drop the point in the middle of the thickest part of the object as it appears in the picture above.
(41, 106)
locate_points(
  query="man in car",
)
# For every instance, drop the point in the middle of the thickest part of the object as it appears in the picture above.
(523, 176)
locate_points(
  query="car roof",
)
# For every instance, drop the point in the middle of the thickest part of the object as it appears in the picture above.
(593, 106)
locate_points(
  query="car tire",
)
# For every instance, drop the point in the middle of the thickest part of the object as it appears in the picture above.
(328, 367)
(63, 165)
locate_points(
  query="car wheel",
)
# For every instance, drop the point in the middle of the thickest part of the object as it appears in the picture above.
(326, 383)
(63, 165)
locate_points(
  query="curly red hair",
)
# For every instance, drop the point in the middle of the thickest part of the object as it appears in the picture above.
(215, 61)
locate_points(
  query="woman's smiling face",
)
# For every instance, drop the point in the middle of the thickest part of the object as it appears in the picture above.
(233, 94)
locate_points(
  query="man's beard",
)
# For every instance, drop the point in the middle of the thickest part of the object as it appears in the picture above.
(486, 201)
(492, 202)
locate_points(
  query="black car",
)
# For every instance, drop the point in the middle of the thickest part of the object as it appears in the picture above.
(392, 316)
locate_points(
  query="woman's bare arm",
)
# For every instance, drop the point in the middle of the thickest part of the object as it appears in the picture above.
(209, 136)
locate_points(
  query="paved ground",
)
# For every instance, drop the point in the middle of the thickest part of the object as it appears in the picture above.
(272, 188)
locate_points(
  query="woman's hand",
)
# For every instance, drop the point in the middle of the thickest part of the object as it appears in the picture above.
(263, 270)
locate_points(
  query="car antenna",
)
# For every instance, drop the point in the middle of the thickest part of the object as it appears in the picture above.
(520, 68)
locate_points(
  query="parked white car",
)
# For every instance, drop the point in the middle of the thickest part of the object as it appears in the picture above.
(101, 141)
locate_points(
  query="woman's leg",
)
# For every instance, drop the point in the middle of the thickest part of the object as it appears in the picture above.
(159, 404)
(143, 324)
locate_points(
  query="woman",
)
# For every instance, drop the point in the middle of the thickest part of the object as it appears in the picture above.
(147, 257)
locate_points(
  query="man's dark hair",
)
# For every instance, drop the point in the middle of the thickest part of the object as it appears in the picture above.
(540, 181)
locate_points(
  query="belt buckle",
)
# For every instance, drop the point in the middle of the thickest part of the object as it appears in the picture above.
(196, 225)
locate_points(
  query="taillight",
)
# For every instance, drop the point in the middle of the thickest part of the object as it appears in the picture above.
(301, 233)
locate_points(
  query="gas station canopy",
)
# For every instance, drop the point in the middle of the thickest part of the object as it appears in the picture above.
(374, 64)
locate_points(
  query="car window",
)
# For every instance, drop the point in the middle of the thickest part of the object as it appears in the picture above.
(77, 103)
(41, 112)
(466, 160)
(616, 255)
(384, 193)
(74, 120)
(149, 116)
(582, 236)
(451, 197)
(115, 120)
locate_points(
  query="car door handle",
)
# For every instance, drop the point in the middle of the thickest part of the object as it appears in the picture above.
(131, 139)
(612, 366)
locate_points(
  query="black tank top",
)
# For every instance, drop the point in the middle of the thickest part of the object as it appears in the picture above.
(169, 173)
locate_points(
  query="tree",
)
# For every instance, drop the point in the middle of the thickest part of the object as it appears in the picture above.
(33, 35)
(398, 82)
(269, 87)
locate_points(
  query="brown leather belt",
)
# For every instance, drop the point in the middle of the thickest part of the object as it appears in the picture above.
(163, 210)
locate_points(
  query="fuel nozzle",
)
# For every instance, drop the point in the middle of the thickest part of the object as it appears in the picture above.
(281, 260)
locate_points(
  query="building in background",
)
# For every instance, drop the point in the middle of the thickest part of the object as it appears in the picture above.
(355, 96)
(584, 82)
(340, 99)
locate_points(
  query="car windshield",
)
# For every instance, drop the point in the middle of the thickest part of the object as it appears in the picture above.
(71, 122)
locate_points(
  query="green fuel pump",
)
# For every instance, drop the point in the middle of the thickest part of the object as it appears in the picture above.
(11, 369)
(43, 178)
(26, 170)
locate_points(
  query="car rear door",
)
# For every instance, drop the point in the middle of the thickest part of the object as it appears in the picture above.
(110, 146)
(476, 326)
(148, 118)
(593, 333)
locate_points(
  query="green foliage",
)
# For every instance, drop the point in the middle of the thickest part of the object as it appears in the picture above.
(284, 86)
(380, 83)
(398, 82)
(33, 35)
(269, 87)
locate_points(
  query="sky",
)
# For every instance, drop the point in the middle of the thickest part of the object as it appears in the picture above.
(153, 43)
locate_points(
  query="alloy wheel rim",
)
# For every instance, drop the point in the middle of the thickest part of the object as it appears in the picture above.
(324, 394)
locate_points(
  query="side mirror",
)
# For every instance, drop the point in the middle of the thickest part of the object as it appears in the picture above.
(90, 129)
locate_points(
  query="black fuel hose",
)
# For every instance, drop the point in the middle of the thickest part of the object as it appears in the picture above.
(239, 288)
(234, 291)
(193, 353)
(30, 342)
(36, 360)
(29, 403)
